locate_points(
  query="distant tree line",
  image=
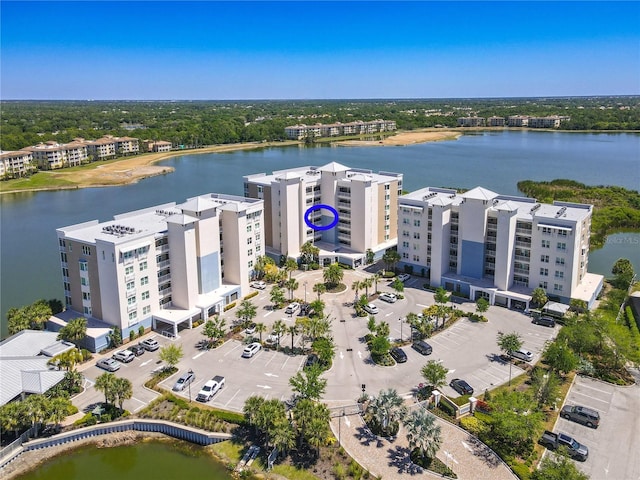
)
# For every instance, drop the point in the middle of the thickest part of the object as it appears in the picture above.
(195, 123)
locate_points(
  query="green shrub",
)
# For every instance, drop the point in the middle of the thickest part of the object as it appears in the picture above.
(472, 425)
(83, 421)
(338, 471)
(230, 306)
(251, 295)
(132, 335)
(447, 408)
(141, 330)
(521, 470)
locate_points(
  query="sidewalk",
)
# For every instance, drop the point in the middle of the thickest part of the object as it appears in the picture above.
(389, 458)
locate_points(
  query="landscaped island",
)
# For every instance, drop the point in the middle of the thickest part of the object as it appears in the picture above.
(614, 208)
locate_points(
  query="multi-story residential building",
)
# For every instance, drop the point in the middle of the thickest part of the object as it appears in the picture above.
(366, 203)
(518, 121)
(52, 155)
(102, 148)
(546, 122)
(299, 132)
(480, 243)
(16, 164)
(162, 266)
(126, 145)
(157, 146)
(471, 122)
(496, 121)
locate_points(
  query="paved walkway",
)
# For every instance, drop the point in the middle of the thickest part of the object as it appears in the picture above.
(389, 458)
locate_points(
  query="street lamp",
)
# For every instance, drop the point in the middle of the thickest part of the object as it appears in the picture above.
(340, 428)
(305, 291)
(400, 320)
(190, 371)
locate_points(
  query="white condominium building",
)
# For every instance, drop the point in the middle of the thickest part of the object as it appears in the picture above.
(162, 266)
(52, 155)
(480, 243)
(366, 203)
(16, 163)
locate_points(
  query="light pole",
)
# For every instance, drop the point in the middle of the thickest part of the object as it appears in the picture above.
(400, 320)
(305, 291)
(190, 371)
(340, 429)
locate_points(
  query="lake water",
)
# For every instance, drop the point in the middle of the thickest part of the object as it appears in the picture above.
(148, 460)
(29, 263)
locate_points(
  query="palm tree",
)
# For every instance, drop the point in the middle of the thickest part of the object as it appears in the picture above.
(386, 410)
(36, 409)
(397, 285)
(333, 275)
(58, 409)
(367, 283)
(317, 306)
(279, 328)
(105, 384)
(277, 297)
(122, 390)
(423, 433)
(391, 258)
(291, 285)
(282, 436)
(260, 329)
(303, 413)
(319, 288)
(290, 266)
(376, 277)
(293, 331)
(509, 342)
(356, 286)
(251, 409)
(318, 327)
(318, 433)
(441, 298)
(74, 331)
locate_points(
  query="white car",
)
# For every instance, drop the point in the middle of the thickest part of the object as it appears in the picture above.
(388, 297)
(251, 349)
(292, 308)
(273, 338)
(210, 388)
(124, 356)
(371, 308)
(260, 285)
(403, 277)
(251, 329)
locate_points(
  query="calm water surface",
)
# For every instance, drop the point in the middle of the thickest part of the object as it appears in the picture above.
(166, 461)
(29, 264)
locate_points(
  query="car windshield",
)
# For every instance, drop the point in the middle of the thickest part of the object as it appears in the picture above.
(207, 388)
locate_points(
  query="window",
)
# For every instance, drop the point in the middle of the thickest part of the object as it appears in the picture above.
(405, 255)
(87, 310)
(258, 248)
(248, 228)
(386, 227)
(386, 217)
(83, 281)
(416, 223)
(386, 186)
(416, 258)
(146, 310)
(544, 272)
(249, 241)
(559, 274)
(86, 296)
(250, 264)
(85, 250)
(546, 243)
(559, 261)
(416, 246)
(386, 207)
(133, 315)
(128, 270)
(405, 233)
(63, 257)
(557, 287)
(416, 235)
(143, 266)
(127, 255)
(131, 285)
(405, 221)
(543, 285)
(144, 280)
(84, 267)
(145, 295)
(250, 252)
(544, 258)
(387, 197)
(131, 300)
(562, 246)
(405, 244)
(562, 233)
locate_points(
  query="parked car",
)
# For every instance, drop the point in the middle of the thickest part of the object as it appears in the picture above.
(371, 308)
(545, 321)
(460, 386)
(260, 285)
(108, 364)
(150, 344)
(398, 354)
(312, 359)
(305, 310)
(403, 277)
(583, 415)
(124, 356)
(210, 388)
(292, 308)
(251, 329)
(388, 297)
(186, 379)
(137, 350)
(552, 441)
(272, 338)
(522, 354)
(422, 347)
(251, 349)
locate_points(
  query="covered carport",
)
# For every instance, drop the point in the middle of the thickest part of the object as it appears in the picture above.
(174, 317)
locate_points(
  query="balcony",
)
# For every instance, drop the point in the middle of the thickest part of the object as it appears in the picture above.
(132, 307)
(162, 248)
(522, 258)
(164, 263)
(521, 271)
(525, 231)
(520, 243)
(131, 292)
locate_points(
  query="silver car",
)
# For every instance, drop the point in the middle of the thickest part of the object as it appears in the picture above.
(108, 364)
(184, 380)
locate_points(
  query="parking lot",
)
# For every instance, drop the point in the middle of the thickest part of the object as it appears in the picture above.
(613, 446)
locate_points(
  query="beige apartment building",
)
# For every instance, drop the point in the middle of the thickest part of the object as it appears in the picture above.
(165, 266)
(471, 122)
(157, 146)
(110, 146)
(52, 155)
(300, 132)
(17, 163)
(366, 204)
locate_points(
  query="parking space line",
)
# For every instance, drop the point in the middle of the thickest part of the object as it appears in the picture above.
(591, 397)
(267, 314)
(198, 355)
(584, 385)
(234, 348)
(234, 396)
(285, 363)
(269, 361)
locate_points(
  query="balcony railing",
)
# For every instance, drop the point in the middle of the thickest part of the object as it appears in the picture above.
(526, 231)
(523, 244)
(522, 258)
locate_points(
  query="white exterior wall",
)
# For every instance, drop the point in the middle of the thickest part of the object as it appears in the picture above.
(505, 249)
(440, 235)
(184, 267)
(364, 215)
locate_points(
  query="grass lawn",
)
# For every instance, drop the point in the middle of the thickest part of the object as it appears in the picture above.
(293, 473)
(36, 181)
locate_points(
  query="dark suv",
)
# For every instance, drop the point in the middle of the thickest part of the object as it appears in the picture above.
(583, 415)
(422, 347)
(545, 321)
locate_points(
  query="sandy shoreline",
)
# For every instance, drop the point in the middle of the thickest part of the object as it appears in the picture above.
(131, 170)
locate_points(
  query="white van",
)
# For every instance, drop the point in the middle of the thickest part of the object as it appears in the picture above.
(522, 354)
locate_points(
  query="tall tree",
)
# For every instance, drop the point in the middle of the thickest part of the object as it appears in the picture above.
(246, 312)
(58, 410)
(290, 266)
(435, 374)
(386, 410)
(539, 297)
(74, 331)
(391, 258)
(105, 383)
(214, 329)
(333, 275)
(37, 410)
(623, 271)
(560, 357)
(441, 297)
(122, 390)
(32, 316)
(260, 329)
(279, 328)
(319, 288)
(545, 386)
(171, 354)
(293, 331)
(309, 253)
(509, 342)
(558, 467)
(423, 433)
(308, 384)
(251, 409)
(482, 305)
(277, 297)
(291, 285)
(397, 285)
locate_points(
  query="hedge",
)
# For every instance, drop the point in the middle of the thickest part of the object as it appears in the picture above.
(230, 306)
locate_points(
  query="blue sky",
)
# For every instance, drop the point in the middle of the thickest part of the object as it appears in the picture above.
(317, 50)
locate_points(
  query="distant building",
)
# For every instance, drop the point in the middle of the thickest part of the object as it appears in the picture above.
(162, 266)
(471, 122)
(17, 163)
(366, 203)
(546, 122)
(24, 365)
(496, 121)
(110, 147)
(518, 121)
(157, 146)
(501, 247)
(299, 132)
(52, 155)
